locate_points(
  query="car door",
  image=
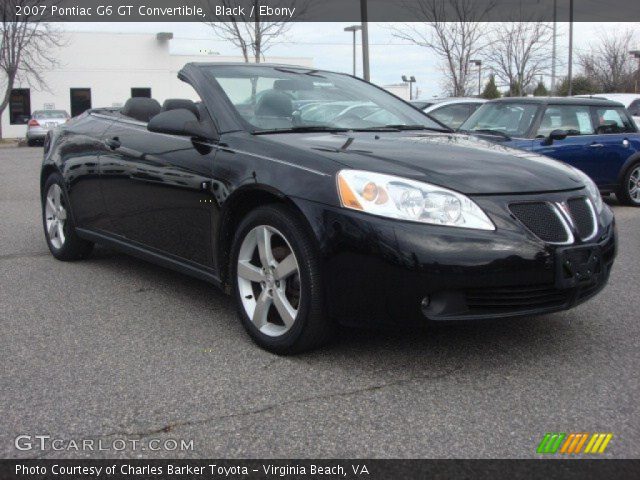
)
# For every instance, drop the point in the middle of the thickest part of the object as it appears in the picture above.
(80, 146)
(581, 148)
(157, 190)
(614, 128)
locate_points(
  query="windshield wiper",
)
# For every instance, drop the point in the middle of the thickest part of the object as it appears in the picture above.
(490, 131)
(400, 127)
(419, 127)
(329, 128)
(302, 129)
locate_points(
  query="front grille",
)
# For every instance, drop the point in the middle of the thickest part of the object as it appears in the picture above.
(542, 220)
(582, 217)
(516, 298)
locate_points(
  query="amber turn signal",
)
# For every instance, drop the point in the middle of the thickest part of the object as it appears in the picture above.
(347, 197)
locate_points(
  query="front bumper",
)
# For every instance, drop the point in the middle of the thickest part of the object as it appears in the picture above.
(383, 270)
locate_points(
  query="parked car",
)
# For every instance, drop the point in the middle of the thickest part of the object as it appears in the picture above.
(630, 100)
(307, 225)
(595, 135)
(41, 122)
(452, 111)
(336, 111)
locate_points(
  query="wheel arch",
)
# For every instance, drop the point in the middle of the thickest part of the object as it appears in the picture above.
(235, 208)
(633, 159)
(47, 170)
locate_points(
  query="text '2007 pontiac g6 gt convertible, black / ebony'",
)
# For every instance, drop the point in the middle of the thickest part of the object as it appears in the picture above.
(314, 198)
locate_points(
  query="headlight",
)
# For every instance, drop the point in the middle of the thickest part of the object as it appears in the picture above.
(404, 199)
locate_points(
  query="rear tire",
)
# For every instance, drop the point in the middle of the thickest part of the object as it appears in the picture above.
(629, 191)
(276, 280)
(59, 229)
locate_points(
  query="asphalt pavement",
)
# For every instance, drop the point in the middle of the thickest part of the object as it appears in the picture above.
(117, 351)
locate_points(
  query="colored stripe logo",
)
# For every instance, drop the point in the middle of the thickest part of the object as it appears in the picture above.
(573, 443)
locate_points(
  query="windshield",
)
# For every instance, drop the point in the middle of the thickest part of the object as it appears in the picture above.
(288, 98)
(505, 119)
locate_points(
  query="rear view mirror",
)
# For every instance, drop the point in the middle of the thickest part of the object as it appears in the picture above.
(178, 122)
(555, 135)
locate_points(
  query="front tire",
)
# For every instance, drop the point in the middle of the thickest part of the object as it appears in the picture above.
(629, 191)
(277, 284)
(59, 230)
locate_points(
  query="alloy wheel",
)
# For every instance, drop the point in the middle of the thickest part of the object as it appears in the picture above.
(55, 216)
(634, 185)
(269, 280)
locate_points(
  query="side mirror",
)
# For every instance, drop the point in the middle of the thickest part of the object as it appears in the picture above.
(177, 122)
(555, 135)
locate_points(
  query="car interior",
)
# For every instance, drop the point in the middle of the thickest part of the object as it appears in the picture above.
(275, 107)
(144, 109)
(564, 119)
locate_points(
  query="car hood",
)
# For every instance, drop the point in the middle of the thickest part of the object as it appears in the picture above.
(460, 162)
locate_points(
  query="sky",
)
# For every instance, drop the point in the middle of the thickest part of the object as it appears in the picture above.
(331, 48)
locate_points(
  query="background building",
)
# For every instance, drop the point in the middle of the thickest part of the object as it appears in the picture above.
(104, 69)
(399, 89)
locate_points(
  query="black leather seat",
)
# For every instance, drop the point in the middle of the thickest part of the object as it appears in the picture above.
(141, 108)
(175, 103)
(274, 104)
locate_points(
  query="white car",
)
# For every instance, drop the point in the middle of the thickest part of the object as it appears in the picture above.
(631, 101)
(329, 111)
(452, 111)
(41, 122)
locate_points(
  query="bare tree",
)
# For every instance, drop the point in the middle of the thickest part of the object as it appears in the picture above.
(245, 27)
(609, 63)
(519, 53)
(26, 49)
(453, 30)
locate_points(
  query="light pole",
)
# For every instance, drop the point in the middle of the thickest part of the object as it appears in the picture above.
(478, 63)
(411, 80)
(365, 40)
(636, 54)
(354, 29)
(554, 46)
(570, 73)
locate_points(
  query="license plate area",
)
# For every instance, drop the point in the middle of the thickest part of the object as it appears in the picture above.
(578, 266)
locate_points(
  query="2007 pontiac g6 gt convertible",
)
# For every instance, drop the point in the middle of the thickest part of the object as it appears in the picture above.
(316, 198)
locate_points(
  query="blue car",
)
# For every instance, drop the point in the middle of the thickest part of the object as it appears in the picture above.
(596, 136)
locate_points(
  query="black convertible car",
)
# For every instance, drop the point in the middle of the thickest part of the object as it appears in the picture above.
(315, 197)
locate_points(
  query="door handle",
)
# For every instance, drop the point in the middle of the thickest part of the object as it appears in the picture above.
(113, 143)
(596, 145)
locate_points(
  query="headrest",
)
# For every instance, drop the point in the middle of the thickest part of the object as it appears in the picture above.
(292, 85)
(174, 103)
(141, 108)
(274, 104)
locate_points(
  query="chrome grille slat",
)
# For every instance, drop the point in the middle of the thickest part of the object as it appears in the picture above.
(583, 217)
(556, 222)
